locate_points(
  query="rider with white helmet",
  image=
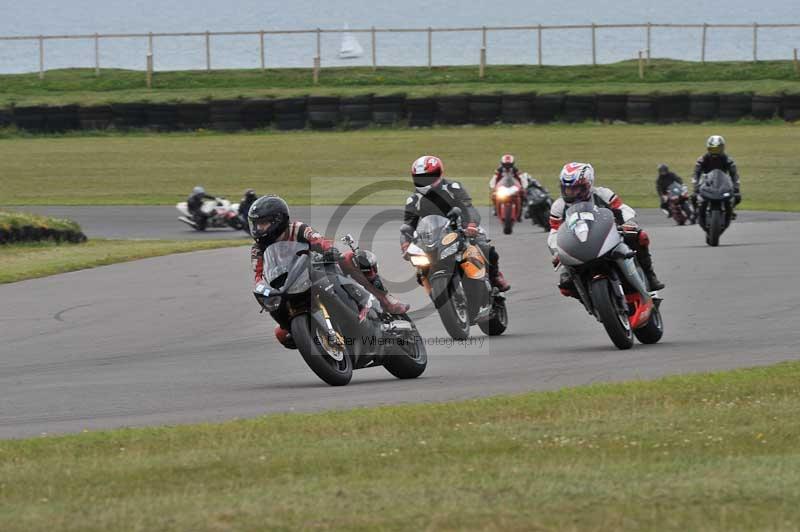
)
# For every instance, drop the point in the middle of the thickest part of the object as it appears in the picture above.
(715, 158)
(577, 184)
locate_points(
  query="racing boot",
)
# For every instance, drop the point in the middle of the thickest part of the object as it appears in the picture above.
(285, 338)
(390, 304)
(496, 277)
(646, 262)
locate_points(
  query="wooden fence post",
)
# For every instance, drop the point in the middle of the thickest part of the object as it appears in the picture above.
(755, 42)
(703, 44)
(208, 51)
(430, 47)
(796, 63)
(649, 28)
(641, 66)
(261, 50)
(482, 67)
(374, 52)
(96, 54)
(149, 75)
(539, 45)
(41, 57)
(594, 44)
(315, 73)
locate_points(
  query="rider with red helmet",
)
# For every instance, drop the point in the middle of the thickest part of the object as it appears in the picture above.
(436, 195)
(270, 222)
(577, 184)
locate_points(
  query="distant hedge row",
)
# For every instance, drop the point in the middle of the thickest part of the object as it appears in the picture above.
(362, 111)
(19, 227)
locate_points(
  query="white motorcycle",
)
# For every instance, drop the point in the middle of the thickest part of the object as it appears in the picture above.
(218, 213)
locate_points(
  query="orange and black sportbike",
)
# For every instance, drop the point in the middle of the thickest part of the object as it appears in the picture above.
(608, 279)
(452, 269)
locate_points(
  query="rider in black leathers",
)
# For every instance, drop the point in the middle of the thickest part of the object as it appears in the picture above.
(195, 203)
(435, 195)
(716, 159)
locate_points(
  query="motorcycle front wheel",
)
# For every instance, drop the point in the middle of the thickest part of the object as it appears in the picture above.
(615, 319)
(451, 302)
(508, 219)
(329, 361)
(714, 228)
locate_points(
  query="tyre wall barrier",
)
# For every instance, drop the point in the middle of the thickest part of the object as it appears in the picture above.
(672, 108)
(361, 111)
(355, 112)
(766, 107)
(290, 113)
(452, 110)
(732, 107)
(641, 109)
(612, 107)
(791, 107)
(484, 110)
(517, 108)
(548, 107)
(579, 108)
(323, 112)
(32, 233)
(388, 110)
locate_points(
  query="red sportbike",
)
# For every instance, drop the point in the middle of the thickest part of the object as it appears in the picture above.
(507, 196)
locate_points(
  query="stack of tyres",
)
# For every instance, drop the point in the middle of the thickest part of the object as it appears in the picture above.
(226, 115)
(672, 108)
(421, 111)
(484, 109)
(192, 116)
(641, 109)
(33, 118)
(162, 116)
(452, 110)
(257, 114)
(323, 112)
(129, 115)
(791, 107)
(703, 107)
(579, 108)
(356, 111)
(290, 113)
(6, 117)
(517, 108)
(612, 107)
(95, 117)
(766, 107)
(388, 110)
(733, 107)
(548, 107)
(62, 118)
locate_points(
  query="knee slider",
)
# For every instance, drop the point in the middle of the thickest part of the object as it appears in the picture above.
(644, 239)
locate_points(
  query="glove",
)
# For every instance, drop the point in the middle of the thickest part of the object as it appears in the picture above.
(556, 261)
(737, 199)
(471, 229)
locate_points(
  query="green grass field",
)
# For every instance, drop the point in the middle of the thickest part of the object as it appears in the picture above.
(29, 261)
(664, 75)
(704, 452)
(322, 168)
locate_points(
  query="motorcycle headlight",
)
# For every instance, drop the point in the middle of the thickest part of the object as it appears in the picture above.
(449, 250)
(506, 192)
(420, 260)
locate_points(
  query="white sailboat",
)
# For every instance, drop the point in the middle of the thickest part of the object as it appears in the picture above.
(351, 48)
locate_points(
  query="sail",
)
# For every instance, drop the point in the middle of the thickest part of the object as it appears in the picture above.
(350, 48)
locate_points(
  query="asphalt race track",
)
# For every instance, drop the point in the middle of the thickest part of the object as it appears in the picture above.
(179, 339)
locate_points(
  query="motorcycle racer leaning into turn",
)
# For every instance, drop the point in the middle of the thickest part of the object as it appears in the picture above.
(270, 222)
(577, 184)
(436, 195)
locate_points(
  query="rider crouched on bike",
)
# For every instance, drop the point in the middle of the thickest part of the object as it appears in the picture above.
(577, 184)
(436, 195)
(715, 158)
(270, 223)
(508, 165)
(194, 204)
(665, 178)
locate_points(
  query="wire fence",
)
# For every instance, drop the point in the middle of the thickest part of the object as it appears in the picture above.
(528, 54)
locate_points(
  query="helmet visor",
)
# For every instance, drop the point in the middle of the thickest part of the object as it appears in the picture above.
(716, 150)
(425, 180)
(578, 191)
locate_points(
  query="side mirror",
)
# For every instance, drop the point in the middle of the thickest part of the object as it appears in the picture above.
(407, 231)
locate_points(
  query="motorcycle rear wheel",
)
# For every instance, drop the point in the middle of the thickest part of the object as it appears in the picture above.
(311, 343)
(615, 319)
(498, 323)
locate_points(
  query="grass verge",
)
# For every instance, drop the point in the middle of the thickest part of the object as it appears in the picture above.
(29, 261)
(703, 452)
(323, 168)
(81, 86)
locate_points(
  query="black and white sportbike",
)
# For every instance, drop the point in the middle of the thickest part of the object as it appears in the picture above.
(323, 309)
(715, 204)
(607, 277)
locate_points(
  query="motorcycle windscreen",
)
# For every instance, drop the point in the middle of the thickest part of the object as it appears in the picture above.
(587, 233)
(676, 190)
(431, 229)
(716, 185)
(279, 257)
